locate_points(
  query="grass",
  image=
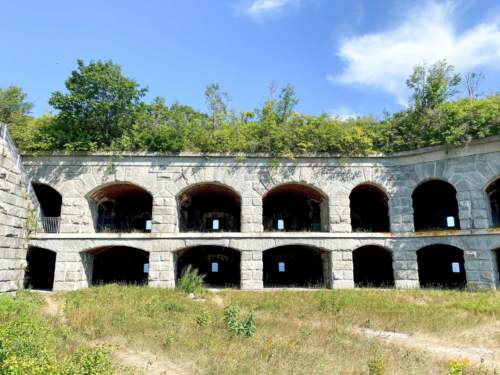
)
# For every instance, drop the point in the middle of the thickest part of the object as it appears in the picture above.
(297, 332)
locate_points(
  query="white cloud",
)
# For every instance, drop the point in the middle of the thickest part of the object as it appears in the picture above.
(260, 7)
(384, 60)
(343, 113)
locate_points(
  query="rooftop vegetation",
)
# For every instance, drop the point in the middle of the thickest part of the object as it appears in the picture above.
(102, 110)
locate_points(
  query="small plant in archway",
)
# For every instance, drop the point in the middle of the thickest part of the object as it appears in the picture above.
(191, 282)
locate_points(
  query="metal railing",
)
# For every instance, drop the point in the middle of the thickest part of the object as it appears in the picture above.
(10, 146)
(50, 224)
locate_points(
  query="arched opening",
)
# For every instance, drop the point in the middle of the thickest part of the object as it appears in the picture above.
(119, 264)
(372, 267)
(209, 207)
(121, 207)
(369, 209)
(493, 191)
(41, 265)
(435, 206)
(496, 266)
(295, 266)
(295, 208)
(220, 266)
(50, 206)
(441, 266)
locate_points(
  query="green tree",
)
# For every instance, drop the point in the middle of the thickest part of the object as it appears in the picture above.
(101, 105)
(217, 103)
(432, 85)
(14, 108)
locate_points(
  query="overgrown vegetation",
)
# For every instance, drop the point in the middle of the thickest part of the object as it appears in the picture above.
(299, 332)
(29, 344)
(191, 281)
(103, 110)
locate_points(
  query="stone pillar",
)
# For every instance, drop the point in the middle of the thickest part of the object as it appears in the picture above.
(480, 269)
(161, 269)
(342, 269)
(73, 271)
(251, 213)
(340, 214)
(464, 209)
(252, 269)
(404, 265)
(481, 209)
(401, 210)
(164, 216)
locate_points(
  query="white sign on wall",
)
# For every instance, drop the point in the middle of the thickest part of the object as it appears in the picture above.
(281, 267)
(450, 222)
(455, 267)
(215, 267)
(215, 224)
(281, 224)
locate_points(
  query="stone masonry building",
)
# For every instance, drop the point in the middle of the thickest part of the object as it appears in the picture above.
(422, 218)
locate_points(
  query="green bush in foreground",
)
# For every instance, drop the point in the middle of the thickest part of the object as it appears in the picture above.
(240, 326)
(28, 345)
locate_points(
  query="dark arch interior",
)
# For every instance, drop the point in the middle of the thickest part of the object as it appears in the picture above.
(40, 269)
(295, 208)
(372, 267)
(441, 266)
(119, 264)
(208, 208)
(219, 265)
(493, 192)
(50, 200)
(121, 207)
(294, 266)
(434, 203)
(369, 209)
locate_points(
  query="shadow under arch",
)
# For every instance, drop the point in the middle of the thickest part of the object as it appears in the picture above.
(295, 207)
(369, 208)
(493, 193)
(120, 207)
(441, 266)
(296, 266)
(116, 264)
(40, 269)
(209, 207)
(435, 206)
(372, 266)
(219, 265)
(50, 201)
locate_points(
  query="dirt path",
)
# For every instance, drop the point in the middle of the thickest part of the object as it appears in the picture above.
(150, 364)
(487, 356)
(54, 306)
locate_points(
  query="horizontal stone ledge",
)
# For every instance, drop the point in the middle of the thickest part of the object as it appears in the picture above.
(264, 235)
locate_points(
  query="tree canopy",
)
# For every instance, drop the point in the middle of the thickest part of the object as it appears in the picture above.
(102, 110)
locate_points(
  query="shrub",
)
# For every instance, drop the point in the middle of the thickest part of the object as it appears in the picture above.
(240, 326)
(376, 366)
(191, 281)
(457, 367)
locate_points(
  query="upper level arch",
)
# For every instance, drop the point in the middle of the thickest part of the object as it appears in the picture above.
(493, 194)
(121, 207)
(369, 208)
(295, 207)
(209, 207)
(50, 201)
(435, 206)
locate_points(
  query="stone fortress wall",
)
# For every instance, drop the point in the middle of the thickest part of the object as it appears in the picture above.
(79, 179)
(14, 212)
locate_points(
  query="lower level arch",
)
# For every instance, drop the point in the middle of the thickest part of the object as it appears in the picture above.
(219, 265)
(372, 266)
(295, 266)
(441, 266)
(40, 268)
(118, 264)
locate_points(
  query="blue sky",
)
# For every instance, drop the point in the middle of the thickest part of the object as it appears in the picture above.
(343, 57)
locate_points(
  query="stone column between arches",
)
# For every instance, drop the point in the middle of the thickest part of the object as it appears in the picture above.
(251, 269)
